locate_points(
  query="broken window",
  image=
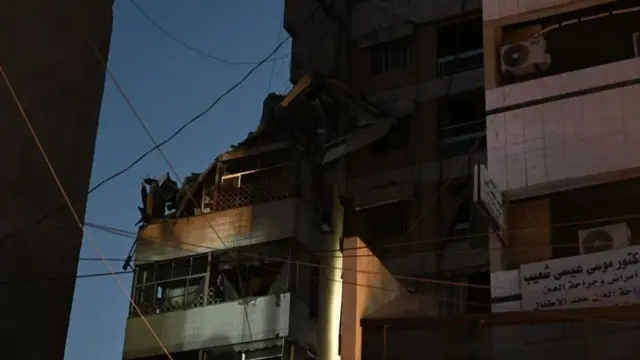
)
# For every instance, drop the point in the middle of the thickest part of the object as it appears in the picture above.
(389, 220)
(237, 277)
(204, 280)
(171, 285)
(464, 123)
(390, 56)
(397, 138)
(460, 46)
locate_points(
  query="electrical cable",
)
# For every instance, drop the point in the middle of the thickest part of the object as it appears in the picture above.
(72, 209)
(386, 289)
(162, 242)
(157, 146)
(193, 48)
(162, 143)
(506, 231)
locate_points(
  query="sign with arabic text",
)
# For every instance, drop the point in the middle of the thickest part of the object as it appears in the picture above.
(488, 195)
(600, 279)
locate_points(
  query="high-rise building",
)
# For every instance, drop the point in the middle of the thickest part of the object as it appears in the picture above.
(59, 81)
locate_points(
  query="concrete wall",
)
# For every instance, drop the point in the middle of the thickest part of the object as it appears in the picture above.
(581, 135)
(367, 286)
(215, 325)
(59, 80)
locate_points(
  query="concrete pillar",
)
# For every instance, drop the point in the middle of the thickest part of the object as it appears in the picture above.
(331, 282)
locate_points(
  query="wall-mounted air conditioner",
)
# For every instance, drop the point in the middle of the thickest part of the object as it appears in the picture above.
(604, 238)
(525, 58)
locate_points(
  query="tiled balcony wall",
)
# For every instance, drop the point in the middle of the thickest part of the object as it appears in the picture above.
(565, 126)
(216, 325)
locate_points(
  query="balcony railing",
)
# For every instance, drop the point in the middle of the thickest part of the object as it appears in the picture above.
(255, 187)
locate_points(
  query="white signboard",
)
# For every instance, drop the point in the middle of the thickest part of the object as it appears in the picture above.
(488, 195)
(601, 279)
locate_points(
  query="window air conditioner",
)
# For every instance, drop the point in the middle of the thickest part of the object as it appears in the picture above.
(604, 238)
(525, 57)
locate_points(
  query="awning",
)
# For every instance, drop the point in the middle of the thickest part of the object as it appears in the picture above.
(357, 140)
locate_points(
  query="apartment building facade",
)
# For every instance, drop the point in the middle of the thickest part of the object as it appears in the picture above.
(59, 80)
(562, 82)
(423, 63)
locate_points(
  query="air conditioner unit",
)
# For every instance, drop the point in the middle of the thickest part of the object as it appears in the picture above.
(604, 238)
(525, 57)
(636, 43)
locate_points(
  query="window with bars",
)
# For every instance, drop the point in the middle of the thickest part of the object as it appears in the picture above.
(390, 56)
(389, 220)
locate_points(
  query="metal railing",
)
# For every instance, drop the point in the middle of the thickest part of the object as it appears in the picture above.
(276, 185)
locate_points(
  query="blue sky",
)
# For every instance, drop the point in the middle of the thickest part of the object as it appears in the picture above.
(168, 85)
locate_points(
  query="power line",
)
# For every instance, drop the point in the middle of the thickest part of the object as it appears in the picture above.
(70, 205)
(133, 235)
(162, 143)
(446, 300)
(193, 48)
(157, 146)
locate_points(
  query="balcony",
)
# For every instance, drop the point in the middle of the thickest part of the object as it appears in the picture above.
(260, 319)
(248, 225)
(548, 132)
(497, 9)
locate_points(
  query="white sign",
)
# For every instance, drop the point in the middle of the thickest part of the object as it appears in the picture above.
(488, 195)
(601, 279)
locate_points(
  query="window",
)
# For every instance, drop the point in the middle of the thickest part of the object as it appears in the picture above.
(396, 139)
(171, 285)
(388, 220)
(202, 280)
(464, 123)
(390, 56)
(460, 46)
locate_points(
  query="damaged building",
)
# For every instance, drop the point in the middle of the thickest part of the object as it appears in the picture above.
(234, 261)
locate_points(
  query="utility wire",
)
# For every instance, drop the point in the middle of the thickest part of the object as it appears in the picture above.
(367, 286)
(162, 143)
(157, 146)
(193, 48)
(133, 235)
(72, 209)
